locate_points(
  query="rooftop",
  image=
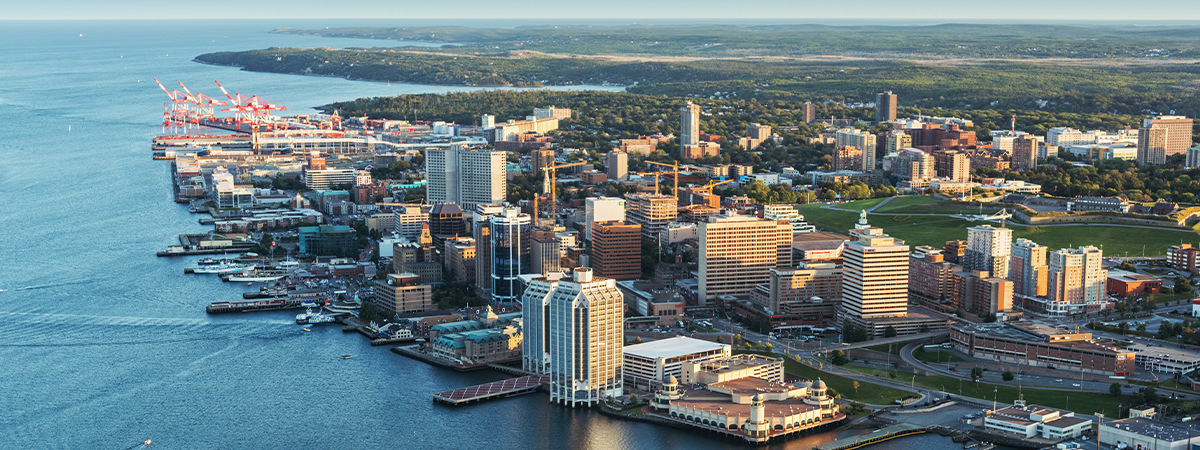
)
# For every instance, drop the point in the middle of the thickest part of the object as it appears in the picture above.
(1151, 428)
(722, 404)
(672, 347)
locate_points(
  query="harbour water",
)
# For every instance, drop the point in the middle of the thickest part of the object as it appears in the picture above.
(103, 345)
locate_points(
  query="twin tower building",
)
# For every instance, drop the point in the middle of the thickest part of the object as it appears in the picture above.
(574, 332)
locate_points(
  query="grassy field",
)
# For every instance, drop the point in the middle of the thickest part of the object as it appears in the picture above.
(1081, 402)
(862, 204)
(866, 392)
(935, 231)
(893, 349)
(936, 357)
(920, 204)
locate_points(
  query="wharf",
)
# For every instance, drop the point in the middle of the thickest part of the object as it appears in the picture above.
(505, 388)
(261, 305)
(882, 434)
(412, 352)
(378, 342)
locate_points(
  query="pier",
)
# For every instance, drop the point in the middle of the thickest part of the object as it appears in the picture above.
(883, 434)
(505, 388)
(261, 305)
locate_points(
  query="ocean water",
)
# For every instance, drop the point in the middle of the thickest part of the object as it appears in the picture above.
(103, 345)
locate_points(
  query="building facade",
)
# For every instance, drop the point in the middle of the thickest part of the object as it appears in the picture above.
(402, 294)
(885, 107)
(737, 253)
(511, 240)
(651, 211)
(616, 250)
(466, 176)
(989, 249)
(874, 274)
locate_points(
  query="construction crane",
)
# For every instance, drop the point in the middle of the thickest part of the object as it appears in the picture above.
(203, 108)
(552, 181)
(656, 174)
(675, 166)
(176, 113)
(711, 185)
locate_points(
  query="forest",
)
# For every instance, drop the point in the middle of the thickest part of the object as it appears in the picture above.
(1008, 41)
(1125, 88)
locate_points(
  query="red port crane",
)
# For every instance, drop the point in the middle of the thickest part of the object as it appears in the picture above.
(176, 113)
(253, 111)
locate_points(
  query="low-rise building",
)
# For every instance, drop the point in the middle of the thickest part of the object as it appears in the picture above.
(1167, 360)
(1125, 284)
(1146, 434)
(1029, 421)
(1183, 257)
(1041, 346)
(403, 293)
(647, 364)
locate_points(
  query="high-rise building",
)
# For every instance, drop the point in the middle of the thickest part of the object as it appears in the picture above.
(541, 159)
(738, 252)
(866, 142)
(465, 175)
(511, 238)
(989, 249)
(446, 221)
(799, 285)
(545, 251)
(982, 294)
(952, 164)
(913, 164)
(896, 141)
(482, 233)
(1179, 134)
(1025, 152)
(929, 274)
(1193, 158)
(403, 293)
(790, 214)
(551, 113)
(616, 250)
(689, 125)
(1152, 145)
(574, 332)
(847, 158)
(874, 274)
(602, 209)
(617, 164)
(651, 211)
(885, 107)
(808, 112)
(1028, 268)
(1076, 276)
(407, 221)
(460, 259)
(324, 179)
(757, 131)
(487, 122)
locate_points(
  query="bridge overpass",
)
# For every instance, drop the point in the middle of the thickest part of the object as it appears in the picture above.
(892, 340)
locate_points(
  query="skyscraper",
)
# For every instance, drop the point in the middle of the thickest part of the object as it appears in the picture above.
(885, 107)
(482, 234)
(1152, 145)
(511, 243)
(466, 176)
(896, 141)
(574, 332)
(989, 249)
(874, 274)
(1179, 134)
(737, 253)
(617, 163)
(913, 164)
(1028, 268)
(616, 250)
(545, 251)
(651, 211)
(689, 125)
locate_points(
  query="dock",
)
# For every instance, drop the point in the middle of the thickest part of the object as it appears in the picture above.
(261, 305)
(882, 434)
(505, 388)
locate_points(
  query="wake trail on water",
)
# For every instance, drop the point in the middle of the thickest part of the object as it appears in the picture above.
(47, 286)
(65, 330)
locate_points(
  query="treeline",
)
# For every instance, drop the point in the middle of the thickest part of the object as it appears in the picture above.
(1125, 89)
(1111, 178)
(723, 40)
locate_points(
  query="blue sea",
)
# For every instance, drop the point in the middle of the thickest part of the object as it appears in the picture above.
(104, 345)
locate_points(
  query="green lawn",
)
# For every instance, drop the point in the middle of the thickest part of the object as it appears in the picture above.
(935, 231)
(866, 392)
(936, 357)
(920, 204)
(862, 204)
(894, 348)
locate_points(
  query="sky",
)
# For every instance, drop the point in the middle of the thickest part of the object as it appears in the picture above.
(782, 11)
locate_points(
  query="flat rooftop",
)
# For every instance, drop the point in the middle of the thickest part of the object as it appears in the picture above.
(723, 405)
(672, 347)
(1151, 428)
(1168, 353)
(915, 313)
(753, 385)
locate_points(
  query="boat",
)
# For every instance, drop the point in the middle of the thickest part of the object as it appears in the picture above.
(347, 356)
(222, 268)
(315, 318)
(251, 275)
(207, 262)
(306, 329)
(303, 318)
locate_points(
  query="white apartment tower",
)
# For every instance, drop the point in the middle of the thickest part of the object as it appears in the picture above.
(988, 248)
(737, 253)
(465, 176)
(584, 336)
(874, 274)
(689, 124)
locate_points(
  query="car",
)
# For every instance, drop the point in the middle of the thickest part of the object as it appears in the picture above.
(1058, 380)
(1075, 384)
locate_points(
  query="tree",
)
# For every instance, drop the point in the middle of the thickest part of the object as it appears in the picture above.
(1007, 375)
(976, 373)
(1114, 389)
(1141, 328)
(924, 329)
(890, 331)
(856, 387)
(719, 340)
(1123, 327)
(839, 358)
(638, 340)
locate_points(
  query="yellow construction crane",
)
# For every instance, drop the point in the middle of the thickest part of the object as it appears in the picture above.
(709, 186)
(656, 174)
(675, 168)
(551, 174)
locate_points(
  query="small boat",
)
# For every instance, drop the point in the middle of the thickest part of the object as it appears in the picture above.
(306, 329)
(347, 356)
(207, 262)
